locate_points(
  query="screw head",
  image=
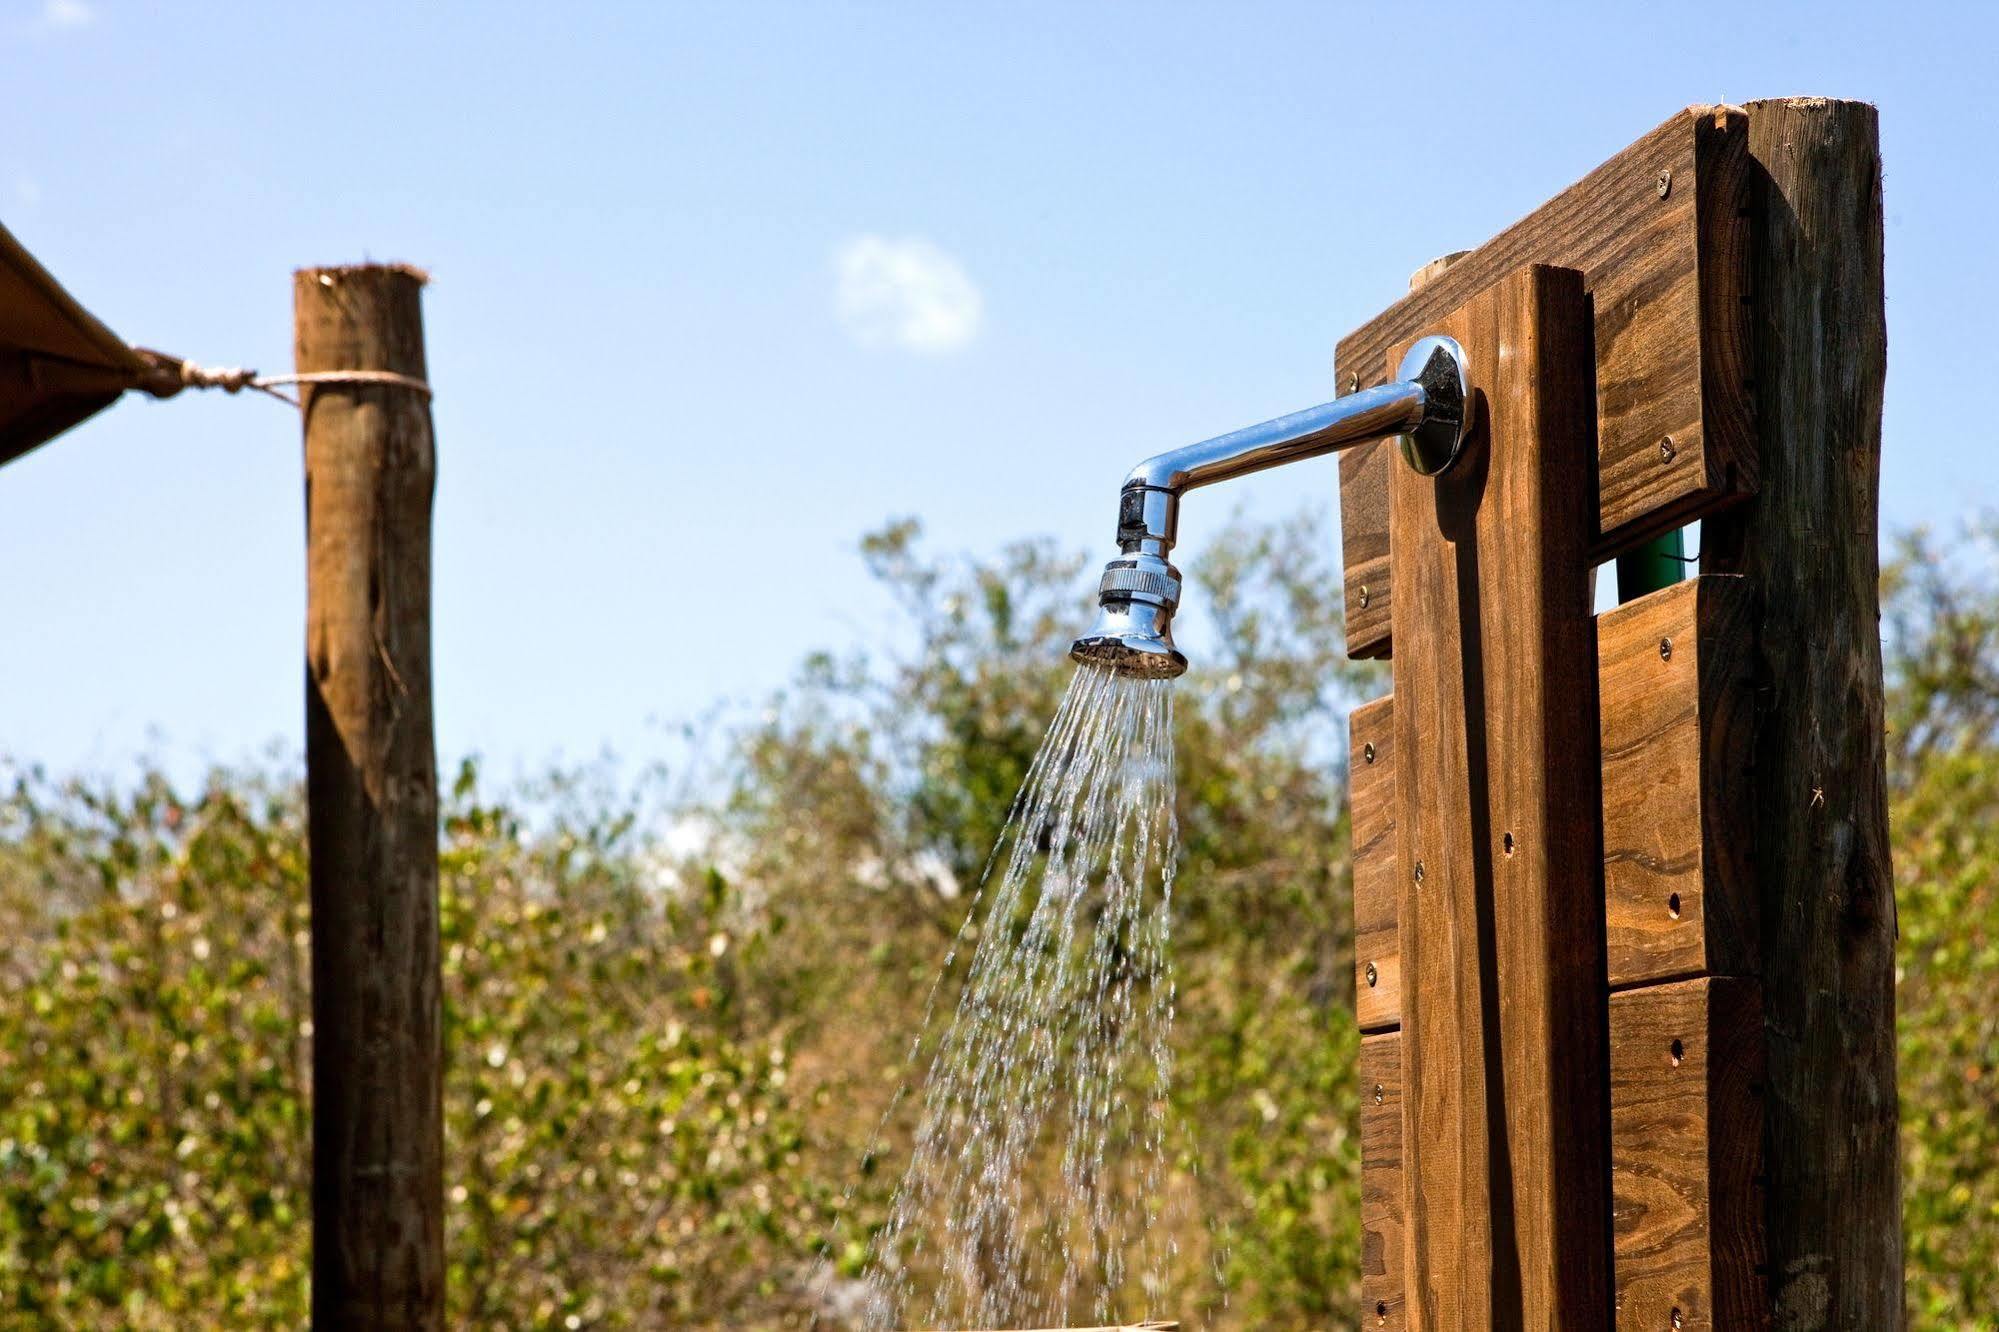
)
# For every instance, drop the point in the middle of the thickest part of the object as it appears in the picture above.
(1367, 751)
(1664, 183)
(1665, 649)
(1419, 871)
(1666, 449)
(1372, 976)
(1379, 1094)
(1363, 596)
(1353, 381)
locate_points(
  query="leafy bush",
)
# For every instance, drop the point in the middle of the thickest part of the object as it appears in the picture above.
(674, 1038)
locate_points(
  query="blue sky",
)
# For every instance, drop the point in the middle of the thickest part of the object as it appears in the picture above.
(718, 288)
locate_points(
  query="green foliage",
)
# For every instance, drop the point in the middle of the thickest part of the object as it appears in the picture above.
(621, 1150)
(670, 1089)
(1944, 771)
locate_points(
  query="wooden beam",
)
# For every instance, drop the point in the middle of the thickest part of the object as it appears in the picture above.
(1382, 1301)
(1377, 889)
(1686, 1140)
(1676, 701)
(371, 790)
(1808, 543)
(1503, 1024)
(1658, 234)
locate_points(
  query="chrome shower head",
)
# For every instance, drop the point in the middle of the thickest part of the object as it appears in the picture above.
(1133, 634)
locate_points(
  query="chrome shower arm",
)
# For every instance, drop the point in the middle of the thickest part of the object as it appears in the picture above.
(1389, 409)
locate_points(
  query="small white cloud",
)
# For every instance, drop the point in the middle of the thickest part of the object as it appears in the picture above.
(906, 293)
(67, 13)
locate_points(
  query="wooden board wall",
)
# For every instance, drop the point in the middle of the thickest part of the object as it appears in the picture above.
(1658, 234)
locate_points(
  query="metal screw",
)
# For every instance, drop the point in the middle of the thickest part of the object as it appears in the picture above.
(1666, 449)
(1665, 181)
(1367, 751)
(1678, 1322)
(1379, 1094)
(1665, 649)
(1371, 976)
(1363, 596)
(1419, 871)
(1353, 381)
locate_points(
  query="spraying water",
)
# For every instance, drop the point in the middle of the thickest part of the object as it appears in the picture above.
(1056, 1064)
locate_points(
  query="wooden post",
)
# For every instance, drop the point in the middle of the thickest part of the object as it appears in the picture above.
(1808, 542)
(371, 789)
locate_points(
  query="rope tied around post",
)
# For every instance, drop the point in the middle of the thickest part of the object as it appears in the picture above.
(168, 375)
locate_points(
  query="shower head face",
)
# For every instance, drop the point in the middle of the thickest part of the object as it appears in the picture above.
(1133, 634)
(1132, 639)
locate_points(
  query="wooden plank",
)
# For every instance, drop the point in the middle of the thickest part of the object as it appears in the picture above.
(1381, 1182)
(1376, 891)
(1677, 709)
(1666, 275)
(1809, 544)
(1686, 1134)
(1364, 473)
(371, 797)
(1503, 1051)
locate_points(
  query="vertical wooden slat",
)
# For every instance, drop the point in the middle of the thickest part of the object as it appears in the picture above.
(1381, 1183)
(1686, 1068)
(1371, 788)
(1677, 709)
(1504, 1038)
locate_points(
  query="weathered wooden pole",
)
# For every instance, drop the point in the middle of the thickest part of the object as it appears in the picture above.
(1809, 543)
(371, 789)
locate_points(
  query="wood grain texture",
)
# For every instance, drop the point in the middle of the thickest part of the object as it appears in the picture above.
(1376, 886)
(1686, 1138)
(1676, 701)
(1809, 544)
(1666, 279)
(1503, 1052)
(1381, 1183)
(371, 791)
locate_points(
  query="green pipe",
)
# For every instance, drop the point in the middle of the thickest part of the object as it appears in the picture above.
(1658, 563)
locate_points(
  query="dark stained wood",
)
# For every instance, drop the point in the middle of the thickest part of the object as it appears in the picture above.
(1503, 1037)
(1364, 526)
(1376, 887)
(1808, 543)
(1676, 699)
(1686, 1135)
(1381, 1182)
(371, 789)
(1666, 278)
(1364, 473)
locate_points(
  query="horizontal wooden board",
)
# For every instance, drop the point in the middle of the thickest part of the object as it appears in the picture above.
(1676, 717)
(1659, 235)
(1381, 1203)
(1371, 788)
(1685, 1143)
